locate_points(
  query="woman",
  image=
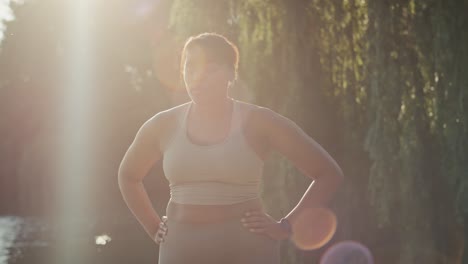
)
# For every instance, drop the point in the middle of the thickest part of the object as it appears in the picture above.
(214, 148)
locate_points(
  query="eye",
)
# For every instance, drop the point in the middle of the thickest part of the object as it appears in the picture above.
(212, 68)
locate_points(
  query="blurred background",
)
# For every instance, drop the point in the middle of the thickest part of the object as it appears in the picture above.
(381, 85)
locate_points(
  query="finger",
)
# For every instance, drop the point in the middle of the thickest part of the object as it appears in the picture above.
(254, 219)
(157, 239)
(254, 213)
(162, 232)
(160, 235)
(256, 224)
(257, 230)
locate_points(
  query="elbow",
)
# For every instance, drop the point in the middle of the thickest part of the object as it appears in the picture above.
(338, 178)
(333, 175)
(338, 174)
(126, 183)
(124, 179)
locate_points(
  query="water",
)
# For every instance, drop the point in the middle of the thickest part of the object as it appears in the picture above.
(32, 240)
(19, 235)
(9, 229)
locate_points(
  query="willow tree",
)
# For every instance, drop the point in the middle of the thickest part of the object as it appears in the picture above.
(380, 85)
(395, 53)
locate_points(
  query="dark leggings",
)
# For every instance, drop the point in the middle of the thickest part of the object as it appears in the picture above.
(227, 242)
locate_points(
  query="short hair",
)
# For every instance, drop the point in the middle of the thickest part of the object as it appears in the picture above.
(217, 48)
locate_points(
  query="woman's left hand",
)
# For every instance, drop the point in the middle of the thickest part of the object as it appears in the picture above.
(261, 222)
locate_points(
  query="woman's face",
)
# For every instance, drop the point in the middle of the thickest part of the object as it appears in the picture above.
(205, 81)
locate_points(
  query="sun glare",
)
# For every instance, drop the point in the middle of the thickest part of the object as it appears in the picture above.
(74, 156)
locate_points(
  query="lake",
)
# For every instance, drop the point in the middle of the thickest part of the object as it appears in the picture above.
(33, 240)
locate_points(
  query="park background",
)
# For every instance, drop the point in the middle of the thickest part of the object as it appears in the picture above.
(381, 85)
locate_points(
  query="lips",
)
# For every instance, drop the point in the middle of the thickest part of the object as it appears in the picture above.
(197, 94)
(198, 90)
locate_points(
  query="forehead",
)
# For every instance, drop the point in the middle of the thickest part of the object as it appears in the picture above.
(196, 55)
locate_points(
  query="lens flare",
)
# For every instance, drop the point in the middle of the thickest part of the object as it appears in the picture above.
(313, 228)
(166, 63)
(145, 7)
(347, 252)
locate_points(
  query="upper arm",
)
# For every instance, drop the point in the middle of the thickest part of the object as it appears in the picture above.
(286, 137)
(143, 152)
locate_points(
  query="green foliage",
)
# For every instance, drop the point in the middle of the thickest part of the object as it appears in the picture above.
(390, 76)
(380, 84)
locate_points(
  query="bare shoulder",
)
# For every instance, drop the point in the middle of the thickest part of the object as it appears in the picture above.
(147, 147)
(268, 125)
(167, 116)
(259, 123)
(157, 128)
(259, 117)
(253, 111)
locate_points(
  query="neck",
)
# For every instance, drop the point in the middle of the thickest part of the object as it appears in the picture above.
(212, 110)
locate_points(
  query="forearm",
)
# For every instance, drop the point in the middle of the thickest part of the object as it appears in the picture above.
(319, 194)
(137, 200)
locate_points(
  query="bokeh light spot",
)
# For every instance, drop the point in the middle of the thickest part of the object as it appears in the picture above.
(347, 252)
(313, 228)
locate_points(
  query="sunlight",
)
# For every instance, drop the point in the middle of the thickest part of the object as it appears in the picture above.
(74, 156)
(6, 15)
(145, 7)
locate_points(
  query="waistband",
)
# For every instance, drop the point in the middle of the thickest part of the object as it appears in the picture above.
(213, 193)
(208, 214)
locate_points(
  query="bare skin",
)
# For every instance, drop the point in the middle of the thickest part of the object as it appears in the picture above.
(208, 123)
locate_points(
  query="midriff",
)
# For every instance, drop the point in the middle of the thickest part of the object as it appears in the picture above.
(206, 214)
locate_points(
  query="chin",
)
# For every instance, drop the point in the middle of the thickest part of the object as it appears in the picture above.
(200, 99)
(204, 100)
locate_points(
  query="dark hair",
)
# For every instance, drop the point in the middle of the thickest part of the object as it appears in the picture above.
(217, 48)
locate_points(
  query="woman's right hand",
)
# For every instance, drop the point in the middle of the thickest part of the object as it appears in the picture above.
(162, 231)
